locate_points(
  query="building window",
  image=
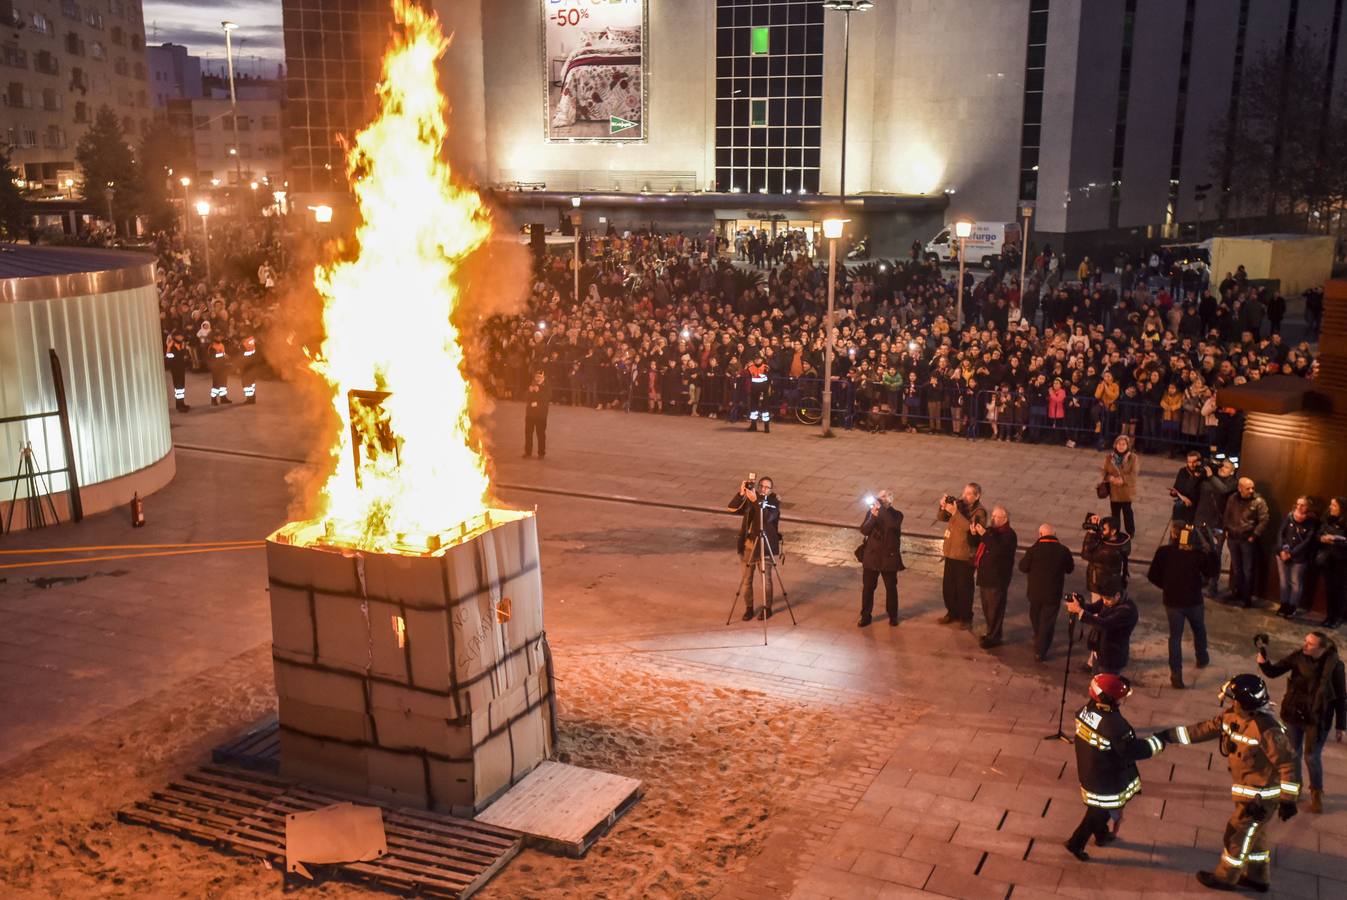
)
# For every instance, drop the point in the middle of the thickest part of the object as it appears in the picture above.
(17, 96)
(46, 62)
(137, 43)
(70, 8)
(12, 56)
(118, 36)
(121, 66)
(40, 24)
(201, 123)
(1180, 113)
(1120, 117)
(51, 101)
(1031, 129)
(269, 123)
(245, 123)
(79, 81)
(769, 95)
(762, 40)
(81, 112)
(97, 51)
(73, 45)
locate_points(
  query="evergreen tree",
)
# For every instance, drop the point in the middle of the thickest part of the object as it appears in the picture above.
(108, 165)
(13, 218)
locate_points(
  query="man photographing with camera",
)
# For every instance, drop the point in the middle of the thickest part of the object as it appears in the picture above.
(881, 556)
(957, 550)
(760, 509)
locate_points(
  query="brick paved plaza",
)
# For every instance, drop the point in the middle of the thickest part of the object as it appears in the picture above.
(928, 772)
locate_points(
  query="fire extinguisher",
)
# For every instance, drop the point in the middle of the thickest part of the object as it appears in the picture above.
(137, 511)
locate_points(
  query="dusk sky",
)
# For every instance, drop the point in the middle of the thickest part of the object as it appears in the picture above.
(258, 45)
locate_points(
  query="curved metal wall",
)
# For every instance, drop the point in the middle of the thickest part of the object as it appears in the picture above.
(109, 346)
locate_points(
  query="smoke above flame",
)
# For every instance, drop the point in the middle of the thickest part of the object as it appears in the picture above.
(410, 466)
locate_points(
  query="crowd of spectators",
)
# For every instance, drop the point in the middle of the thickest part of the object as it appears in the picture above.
(667, 323)
(237, 300)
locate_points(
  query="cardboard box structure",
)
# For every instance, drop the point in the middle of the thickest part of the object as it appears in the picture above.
(418, 678)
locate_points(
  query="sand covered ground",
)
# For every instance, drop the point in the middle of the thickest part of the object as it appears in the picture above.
(721, 768)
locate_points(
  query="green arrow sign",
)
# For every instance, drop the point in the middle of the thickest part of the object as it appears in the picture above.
(617, 123)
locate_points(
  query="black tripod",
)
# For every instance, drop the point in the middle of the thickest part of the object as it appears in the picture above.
(1066, 674)
(36, 491)
(762, 550)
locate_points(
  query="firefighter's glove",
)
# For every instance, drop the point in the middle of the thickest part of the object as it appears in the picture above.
(1286, 809)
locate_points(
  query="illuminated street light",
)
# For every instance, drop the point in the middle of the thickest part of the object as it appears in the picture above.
(203, 210)
(962, 230)
(322, 214)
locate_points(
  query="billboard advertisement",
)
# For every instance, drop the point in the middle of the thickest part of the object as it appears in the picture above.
(595, 58)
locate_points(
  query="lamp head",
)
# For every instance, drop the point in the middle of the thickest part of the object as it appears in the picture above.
(575, 202)
(832, 228)
(963, 229)
(229, 26)
(322, 214)
(202, 208)
(185, 181)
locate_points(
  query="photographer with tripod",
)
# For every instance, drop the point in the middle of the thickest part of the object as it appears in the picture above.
(1110, 621)
(761, 511)
(881, 556)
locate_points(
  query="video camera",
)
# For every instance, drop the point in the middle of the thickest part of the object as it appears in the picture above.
(950, 499)
(1091, 522)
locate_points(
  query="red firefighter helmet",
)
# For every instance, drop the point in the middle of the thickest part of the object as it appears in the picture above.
(1110, 689)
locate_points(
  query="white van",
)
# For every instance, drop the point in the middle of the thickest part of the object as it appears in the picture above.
(985, 244)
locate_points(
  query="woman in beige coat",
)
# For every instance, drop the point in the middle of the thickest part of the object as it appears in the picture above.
(1121, 468)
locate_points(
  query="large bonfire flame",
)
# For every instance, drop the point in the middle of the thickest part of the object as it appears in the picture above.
(388, 313)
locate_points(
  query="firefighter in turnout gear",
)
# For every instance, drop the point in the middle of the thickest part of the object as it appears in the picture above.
(248, 368)
(219, 373)
(1107, 750)
(175, 357)
(1262, 772)
(758, 388)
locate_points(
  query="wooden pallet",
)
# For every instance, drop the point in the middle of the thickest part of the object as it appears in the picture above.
(259, 748)
(244, 812)
(564, 809)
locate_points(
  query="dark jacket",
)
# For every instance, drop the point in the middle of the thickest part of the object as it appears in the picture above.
(883, 540)
(1316, 695)
(1190, 486)
(1106, 572)
(1179, 571)
(994, 556)
(1212, 496)
(1047, 563)
(1298, 538)
(1111, 632)
(749, 525)
(1107, 750)
(1245, 517)
(537, 398)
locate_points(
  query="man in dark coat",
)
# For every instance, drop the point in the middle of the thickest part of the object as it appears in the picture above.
(881, 556)
(1047, 563)
(994, 560)
(1179, 570)
(1110, 621)
(537, 399)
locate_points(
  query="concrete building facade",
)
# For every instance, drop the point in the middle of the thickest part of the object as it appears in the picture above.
(1106, 116)
(174, 75)
(60, 60)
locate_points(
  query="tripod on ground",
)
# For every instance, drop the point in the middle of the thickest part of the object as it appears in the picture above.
(1071, 621)
(763, 551)
(36, 491)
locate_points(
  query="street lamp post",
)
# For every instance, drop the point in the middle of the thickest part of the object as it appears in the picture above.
(233, 100)
(575, 229)
(846, 7)
(186, 182)
(203, 210)
(1027, 211)
(107, 195)
(962, 230)
(832, 230)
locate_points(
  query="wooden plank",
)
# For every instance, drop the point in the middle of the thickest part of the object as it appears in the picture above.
(243, 811)
(564, 808)
(257, 748)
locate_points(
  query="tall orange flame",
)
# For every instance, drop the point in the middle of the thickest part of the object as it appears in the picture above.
(388, 315)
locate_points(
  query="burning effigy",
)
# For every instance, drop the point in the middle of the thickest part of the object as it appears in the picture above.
(410, 659)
